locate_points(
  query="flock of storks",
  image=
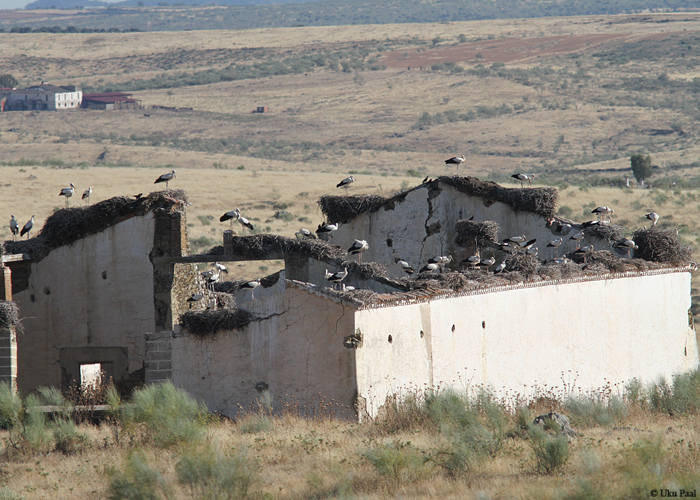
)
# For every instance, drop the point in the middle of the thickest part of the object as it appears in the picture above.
(514, 244)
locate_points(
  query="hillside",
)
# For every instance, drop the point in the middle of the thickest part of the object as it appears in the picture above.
(179, 15)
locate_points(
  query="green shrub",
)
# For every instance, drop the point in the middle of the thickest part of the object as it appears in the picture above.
(255, 424)
(551, 453)
(7, 494)
(10, 407)
(167, 415)
(565, 211)
(67, 438)
(212, 476)
(138, 481)
(399, 461)
(591, 411)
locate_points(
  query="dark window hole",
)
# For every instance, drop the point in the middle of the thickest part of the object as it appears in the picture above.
(389, 242)
(422, 334)
(390, 339)
(483, 324)
(453, 328)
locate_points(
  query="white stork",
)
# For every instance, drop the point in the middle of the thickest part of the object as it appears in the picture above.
(473, 260)
(524, 178)
(220, 267)
(486, 263)
(516, 239)
(431, 268)
(345, 183)
(455, 160)
(86, 194)
(211, 277)
(405, 266)
(336, 277)
(304, 234)
(555, 243)
(603, 211)
(67, 192)
(166, 178)
(527, 244)
(583, 250)
(27, 227)
(577, 237)
(195, 298)
(14, 227)
(626, 245)
(440, 260)
(230, 216)
(251, 285)
(327, 228)
(653, 217)
(532, 251)
(358, 247)
(242, 220)
(500, 268)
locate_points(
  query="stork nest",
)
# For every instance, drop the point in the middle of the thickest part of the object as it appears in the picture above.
(542, 201)
(600, 261)
(366, 270)
(345, 208)
(483, 232)
(69, 225)
(661, 245)
(9, 314)
(260, 246)
(609, 232)
(522, 263)
(227, 316)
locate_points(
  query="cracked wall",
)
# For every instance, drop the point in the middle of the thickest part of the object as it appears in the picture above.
(96, 293)
(293, 352)
(423, 226)
(571, 336)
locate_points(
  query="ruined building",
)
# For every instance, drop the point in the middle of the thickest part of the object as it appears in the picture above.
(110, 284)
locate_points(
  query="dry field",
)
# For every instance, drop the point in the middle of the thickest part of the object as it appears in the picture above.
(297, 458)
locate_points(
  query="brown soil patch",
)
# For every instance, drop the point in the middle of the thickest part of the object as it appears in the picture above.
(504, 50)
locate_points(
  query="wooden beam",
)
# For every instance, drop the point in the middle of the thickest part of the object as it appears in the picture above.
(193, 259)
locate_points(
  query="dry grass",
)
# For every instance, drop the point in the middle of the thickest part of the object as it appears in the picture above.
(300, 458)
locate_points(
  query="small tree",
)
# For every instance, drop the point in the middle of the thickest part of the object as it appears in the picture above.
(7, 80)
(641, 166)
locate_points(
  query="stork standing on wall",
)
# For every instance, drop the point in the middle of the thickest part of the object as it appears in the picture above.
(195, 298)
(337, 277)
(305, 234)
(236, 215)
(455, 160)
(603, 211)
(27, 227)
(345, 183)
(327, 228)
(626, 245)
(405, 266)
(14, 227)
(556, 243)
(229, 216)
(251, 285)
(67, 192)
(86, 195)
(653, 217)
(577, 237)
(220, 268)
(166, 178)
(358, 247)
(524, 178)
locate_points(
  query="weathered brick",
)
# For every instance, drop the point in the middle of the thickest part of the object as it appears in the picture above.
(158, 355)
(165, 365)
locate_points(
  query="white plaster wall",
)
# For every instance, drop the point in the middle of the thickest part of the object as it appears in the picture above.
(83, 309)
(516, 341)
(406, 226)
(296, 349)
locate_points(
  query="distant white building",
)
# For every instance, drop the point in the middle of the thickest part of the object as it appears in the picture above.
(42, 97)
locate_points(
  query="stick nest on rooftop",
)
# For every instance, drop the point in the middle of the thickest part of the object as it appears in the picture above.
(366, 270)
(661, 245)
(345, 208)
(482, 232)
(542, 201)
(68, 225)
(608, 232)
(9, 314)
(262, 245)
(226, 316)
